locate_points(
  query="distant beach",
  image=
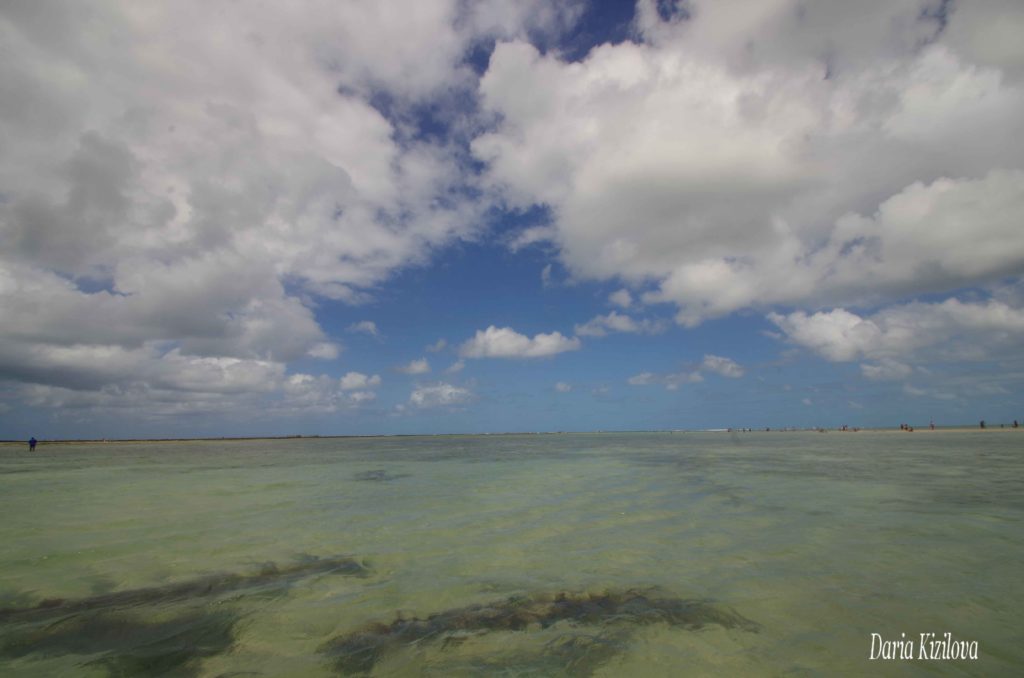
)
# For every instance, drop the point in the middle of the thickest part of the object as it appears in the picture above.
(922, 429)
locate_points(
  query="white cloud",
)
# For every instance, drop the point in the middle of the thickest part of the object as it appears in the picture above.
(172, 211)
(545, 276)
(643, 379)
(826, 156)
(671, 381)
(456, 367)
(621, 298)
(439, 395)
(601, 325)
(312, 394)
(886, 370)
(723, 366)
(357, 380)
(913, 333)
(362, 397)
(505, 342)
(674, 381)
(212, 188)
(420, 366)
(987, 32)
(147, 384)
(93, 367)
(325, 350)
(364, 327)
(531, 236)
(837, 335)
(437, 346)
(563, 387)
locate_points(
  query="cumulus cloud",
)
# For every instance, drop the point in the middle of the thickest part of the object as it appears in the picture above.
(601, 325)
(325, 350)
(149, 385)
(181, 187)
(364, 327)
(874, 157)
(322, 394)
(357, 380)
(720, 365)
(621, 298)
(437, 346)
(505, 342)
(531, 236)
(440, 394)
(902, 335)
(886, 370)
(837, 335)
(723, 366)
(456, 367)
(562, 387)
(166, 200)
(671, 381)
(420, 366)
(643, 379)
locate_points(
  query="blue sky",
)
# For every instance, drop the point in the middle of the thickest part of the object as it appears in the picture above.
(357, 218)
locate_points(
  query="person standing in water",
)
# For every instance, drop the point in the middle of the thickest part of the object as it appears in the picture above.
(32, 444)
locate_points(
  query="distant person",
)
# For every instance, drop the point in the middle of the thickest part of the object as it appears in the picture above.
(1015, 424)
(32, 444)
(981, 424)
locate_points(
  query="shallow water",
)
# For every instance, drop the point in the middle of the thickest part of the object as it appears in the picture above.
(816, 540)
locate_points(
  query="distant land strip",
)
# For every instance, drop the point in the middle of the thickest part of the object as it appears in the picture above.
(958, 428)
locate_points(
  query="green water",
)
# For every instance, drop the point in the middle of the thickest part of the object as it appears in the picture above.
(818, 539)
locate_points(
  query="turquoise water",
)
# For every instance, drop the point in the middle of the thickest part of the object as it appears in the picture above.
(699, 553)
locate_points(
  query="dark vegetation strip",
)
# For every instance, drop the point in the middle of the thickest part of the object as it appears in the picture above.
(359, 651)
(200, 587)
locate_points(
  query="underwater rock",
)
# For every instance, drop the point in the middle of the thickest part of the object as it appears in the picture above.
(210, 585)
(359, 651)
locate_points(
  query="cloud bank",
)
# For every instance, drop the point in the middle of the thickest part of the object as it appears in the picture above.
(829, 155)
(180, 184)
(183, 188)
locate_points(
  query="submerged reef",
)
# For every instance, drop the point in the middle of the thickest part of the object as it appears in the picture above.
(359, 651)
(269, 575)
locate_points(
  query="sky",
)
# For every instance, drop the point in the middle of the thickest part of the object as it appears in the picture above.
(376, 217)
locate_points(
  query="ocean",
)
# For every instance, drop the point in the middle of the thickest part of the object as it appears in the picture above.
(604, 554)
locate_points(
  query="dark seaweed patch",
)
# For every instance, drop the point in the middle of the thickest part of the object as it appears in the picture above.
(269, 575)
(571, 653)
(127, 644)
(359, 651)
(379, 475)
(582, 655)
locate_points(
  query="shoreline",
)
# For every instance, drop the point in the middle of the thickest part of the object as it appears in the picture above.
(122, 441)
